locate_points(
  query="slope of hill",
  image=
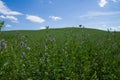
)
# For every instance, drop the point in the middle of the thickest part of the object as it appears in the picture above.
(63, 54)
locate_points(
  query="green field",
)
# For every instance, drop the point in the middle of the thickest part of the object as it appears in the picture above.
(60, 54)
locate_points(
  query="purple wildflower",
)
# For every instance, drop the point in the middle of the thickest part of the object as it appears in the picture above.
(28, 48)
(3, 44)
(22, 44)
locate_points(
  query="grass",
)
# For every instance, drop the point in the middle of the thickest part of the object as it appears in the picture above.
(60, 54)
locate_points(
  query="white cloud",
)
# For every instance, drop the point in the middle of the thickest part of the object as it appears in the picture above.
(104, 25)
(117, 28)
(111, 28)
(102, 3)
(6, 11)
(3, 17)
(33, 18)
(95, 14)
(42, 27)
(55, 18)
(12, 18)
(8, 25)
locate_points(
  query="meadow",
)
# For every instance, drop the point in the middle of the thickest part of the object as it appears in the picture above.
(60, 54)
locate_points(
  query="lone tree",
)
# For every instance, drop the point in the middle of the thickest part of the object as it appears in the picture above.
(1, 25)
(80, 26)
(47, 27)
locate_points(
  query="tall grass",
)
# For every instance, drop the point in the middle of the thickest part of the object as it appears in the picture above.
(60, 54)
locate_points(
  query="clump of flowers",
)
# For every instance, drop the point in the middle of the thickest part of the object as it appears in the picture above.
(3, 44)
(23, 54)
(22, 44)
(28, 48)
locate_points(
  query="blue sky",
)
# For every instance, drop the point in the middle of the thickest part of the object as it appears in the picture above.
(36, 14)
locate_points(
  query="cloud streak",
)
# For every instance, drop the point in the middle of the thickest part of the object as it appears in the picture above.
(42, 28)
(55, 18)
(95, 14)
(12, 18)
(34, 18)
(8, 25)
(6, 11)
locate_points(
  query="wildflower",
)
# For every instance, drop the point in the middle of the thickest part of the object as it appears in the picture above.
(45, 46)
(23, 54)
(3, 44)
(28, 48)
(22, 44)
(53, 40)
(49, 36)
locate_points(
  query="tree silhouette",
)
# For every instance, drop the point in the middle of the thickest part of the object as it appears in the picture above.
(47, 27)
(1, 25)
(80, 26)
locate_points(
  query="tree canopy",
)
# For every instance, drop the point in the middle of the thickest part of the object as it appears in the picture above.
(1, 24)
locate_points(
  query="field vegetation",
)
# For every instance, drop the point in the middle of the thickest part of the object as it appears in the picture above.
(60, 54)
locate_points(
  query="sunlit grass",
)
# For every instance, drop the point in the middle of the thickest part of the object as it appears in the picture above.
(60, 54)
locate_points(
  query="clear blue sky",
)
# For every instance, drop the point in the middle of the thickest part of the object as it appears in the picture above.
(36, 14)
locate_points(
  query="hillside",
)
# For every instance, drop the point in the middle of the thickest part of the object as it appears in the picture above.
(60, 54)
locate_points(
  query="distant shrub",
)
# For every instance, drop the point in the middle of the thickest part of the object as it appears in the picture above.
(1, 24)
(47, 27)
(80, 26)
